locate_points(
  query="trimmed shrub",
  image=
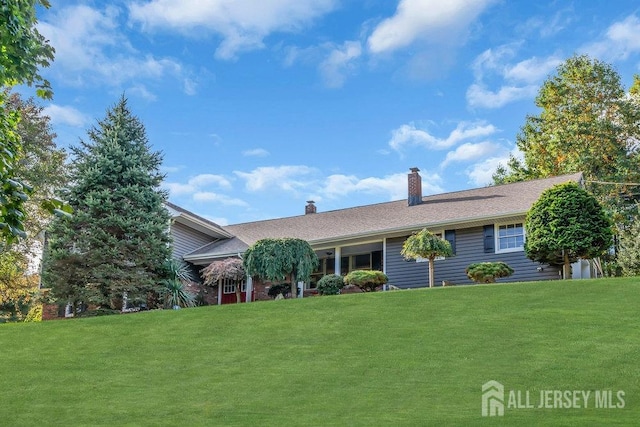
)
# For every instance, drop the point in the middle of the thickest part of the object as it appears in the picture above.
(367, 280)
(488, 272)
(330, 284)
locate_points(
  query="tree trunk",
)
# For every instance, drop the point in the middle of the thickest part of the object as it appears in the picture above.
(431, 272)
(294, 286)
(238, 293)
(566, 268)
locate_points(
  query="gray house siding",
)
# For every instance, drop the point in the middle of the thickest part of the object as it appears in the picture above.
(469, 249)
(186, 239)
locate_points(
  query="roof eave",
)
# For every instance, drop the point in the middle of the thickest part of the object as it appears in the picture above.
(202, 226)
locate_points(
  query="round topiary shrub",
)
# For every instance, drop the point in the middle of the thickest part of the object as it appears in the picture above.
(330, 284)
(488, 272)
(367, 280)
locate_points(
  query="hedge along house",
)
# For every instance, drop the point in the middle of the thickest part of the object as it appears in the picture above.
(482, 224)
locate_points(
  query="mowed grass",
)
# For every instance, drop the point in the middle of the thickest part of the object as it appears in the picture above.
(415, 357)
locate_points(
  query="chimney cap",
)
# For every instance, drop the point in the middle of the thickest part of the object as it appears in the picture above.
(414, 170)
(310, 202)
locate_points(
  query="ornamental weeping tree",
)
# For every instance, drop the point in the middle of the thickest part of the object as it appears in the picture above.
(276, 259)
(425, 244)
(226, 269)
(564, 224)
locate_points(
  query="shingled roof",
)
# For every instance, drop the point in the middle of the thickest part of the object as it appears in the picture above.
(460, 208)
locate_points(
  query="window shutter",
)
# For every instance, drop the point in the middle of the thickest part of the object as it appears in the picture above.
(489, 240)
(450, 236)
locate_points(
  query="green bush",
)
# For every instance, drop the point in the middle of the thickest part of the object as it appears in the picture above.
(330, 284)
(488, 272)
(367, 280)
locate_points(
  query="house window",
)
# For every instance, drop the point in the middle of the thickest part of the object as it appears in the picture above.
(362, 262)
(510, 237)
(325, 266)
(229, 286)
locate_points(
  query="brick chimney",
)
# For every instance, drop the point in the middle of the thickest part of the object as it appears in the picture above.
(310, 208)
(415, 187)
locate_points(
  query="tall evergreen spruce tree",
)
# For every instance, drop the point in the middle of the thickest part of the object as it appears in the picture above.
(117, 240)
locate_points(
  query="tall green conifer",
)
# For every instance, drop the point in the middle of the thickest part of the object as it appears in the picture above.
(118, 238)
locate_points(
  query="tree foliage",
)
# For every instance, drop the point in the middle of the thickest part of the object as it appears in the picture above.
(18, 290)
(118, 238)
(367, 280)
(330, 284)
(226, 269)
(588, 124)
(42, 167)
(276, 260)
(564, 224)
(23, 51)
(488, 272)
(629, 250)
(425, 244)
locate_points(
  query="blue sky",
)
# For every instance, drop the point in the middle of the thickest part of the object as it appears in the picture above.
(258, 106)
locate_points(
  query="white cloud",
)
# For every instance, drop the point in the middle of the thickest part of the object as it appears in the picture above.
(65, 115)
(479, 96)
(196, 184)
(141, 91)
(242, 24)
(208, 196)
(335, 62)
(519, 81)
(256, 152)
(288, 178)
(170, 169)
(480, 174)
(548, 26)
(620, 41)
(470, 151)
(425, 20)
(493, 60)
(395, 186)
(532, 70)
(410, 135)
(339, 63)
(206, 179)
(91, 48)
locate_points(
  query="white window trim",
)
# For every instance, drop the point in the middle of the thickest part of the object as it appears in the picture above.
(496, 233)
(229, 287)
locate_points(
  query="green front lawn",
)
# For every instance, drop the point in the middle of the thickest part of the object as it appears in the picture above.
(415, 357)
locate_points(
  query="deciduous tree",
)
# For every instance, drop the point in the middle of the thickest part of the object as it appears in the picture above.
(23, 51)
(564, 224)
(587, 123)
(425, 244)
(629, 250)
(277, 259)
(230, 269)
